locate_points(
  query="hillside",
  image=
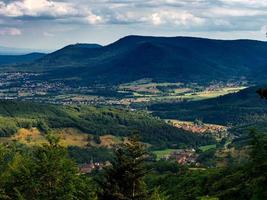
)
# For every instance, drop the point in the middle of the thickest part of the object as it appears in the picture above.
(19, 51)
(173, 59)
(92, 120)
(16, 59)
(244, 107)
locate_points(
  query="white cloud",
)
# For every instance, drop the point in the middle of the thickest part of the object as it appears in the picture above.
(234, 12)
(212, 15)
(183, 18)
(94, 19)
(10, 31)
(248, 3)
(36, 8)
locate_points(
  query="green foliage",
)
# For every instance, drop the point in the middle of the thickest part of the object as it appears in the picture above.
(158, 195)
(123, 180)
(42, 126)
(46, 172)
(42, 173)
(246, 182)
(244, 107)
(207, 158)
(97, 139)
(93, 120)
(86, 155)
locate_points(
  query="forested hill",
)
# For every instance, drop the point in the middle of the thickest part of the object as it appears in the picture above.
(244, 107)
(16, 59)
(93, 120)
(164, 59)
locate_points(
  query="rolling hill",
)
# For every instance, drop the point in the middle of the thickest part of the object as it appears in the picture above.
(92, 120)
(242, 108)
(172, 59)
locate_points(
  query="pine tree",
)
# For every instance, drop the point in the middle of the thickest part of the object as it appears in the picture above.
(257, 170)
(123, 180)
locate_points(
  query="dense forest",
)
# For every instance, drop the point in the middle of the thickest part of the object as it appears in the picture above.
(94, 120)
(47, 172)
(243, 107)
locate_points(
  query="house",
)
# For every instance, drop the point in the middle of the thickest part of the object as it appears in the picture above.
(88, 168)
(184, 157)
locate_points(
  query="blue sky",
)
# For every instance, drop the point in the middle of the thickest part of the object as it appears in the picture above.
(51, 24)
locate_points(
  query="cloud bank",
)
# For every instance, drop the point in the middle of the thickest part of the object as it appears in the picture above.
(187, 13)
(165, 15)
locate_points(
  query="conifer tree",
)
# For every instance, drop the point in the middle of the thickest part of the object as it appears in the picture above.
(123, 180)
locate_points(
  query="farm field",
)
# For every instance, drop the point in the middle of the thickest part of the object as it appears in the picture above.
(163, 153)
(145, 91)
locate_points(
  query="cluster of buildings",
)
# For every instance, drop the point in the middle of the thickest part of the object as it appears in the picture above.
(27, 86)
(200, 128)
(88, 168)
(184, 157)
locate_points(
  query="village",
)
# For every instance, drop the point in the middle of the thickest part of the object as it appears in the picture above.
(217, 131)
(32, 87)
(188, 157)
(183, 157)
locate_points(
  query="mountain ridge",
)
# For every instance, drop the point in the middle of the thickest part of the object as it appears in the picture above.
(172, 59)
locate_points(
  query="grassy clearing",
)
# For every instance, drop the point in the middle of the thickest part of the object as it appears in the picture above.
(110, 140)
(208, 198)
(207, 147)
(31, 137)
(68, 137)
(163, 153)
(215, 93)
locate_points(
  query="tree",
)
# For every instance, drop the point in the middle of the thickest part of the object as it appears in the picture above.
(157, 195)
(45, 173)
(123, 179)
(257, 170)
(97, 139)
(258, 148)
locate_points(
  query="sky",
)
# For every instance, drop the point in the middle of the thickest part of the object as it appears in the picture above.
(51, 24)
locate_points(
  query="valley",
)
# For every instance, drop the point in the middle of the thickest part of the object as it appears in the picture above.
(193, 118)
(29, 86)
(94, 96)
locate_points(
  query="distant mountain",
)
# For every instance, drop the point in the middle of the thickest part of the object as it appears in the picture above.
(163, 59)
(241, 108)
(19, 51)
(84, 45)
(15, 59)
